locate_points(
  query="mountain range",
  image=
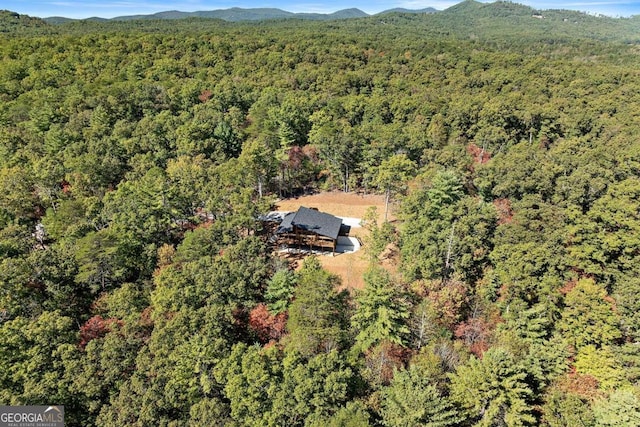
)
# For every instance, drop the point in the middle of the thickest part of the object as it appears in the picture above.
(501, 21)
(237, 14)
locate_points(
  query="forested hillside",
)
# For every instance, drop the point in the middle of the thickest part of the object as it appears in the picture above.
(137, 286)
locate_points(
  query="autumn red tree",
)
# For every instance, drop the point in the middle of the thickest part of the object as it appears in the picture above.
(96, 327)
(267, 326)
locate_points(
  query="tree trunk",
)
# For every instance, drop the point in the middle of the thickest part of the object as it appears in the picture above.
(421, 332)
(280, 182)
(447, 261)
(346, 179)
(386, 204)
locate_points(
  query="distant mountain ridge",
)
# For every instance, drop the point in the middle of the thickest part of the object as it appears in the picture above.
(499, 21)
(464, 10)
(236, 14)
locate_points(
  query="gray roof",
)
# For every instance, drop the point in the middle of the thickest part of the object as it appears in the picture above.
(312, 220)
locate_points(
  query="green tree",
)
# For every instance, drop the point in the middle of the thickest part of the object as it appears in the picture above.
(314, 389)
(588, 317)
(105, 258)
(143, 208)
(601, 364)
(17, 298)
(412, 399)
(354, 414)
(620, 409)
(528, 253)
(628, 356)
(258, 160)
(97, 372)
(493, 391)
(446, 189)
(280, 290)
(251, 377)
(265, 388)
(68, 220)
(16, 193)
(628, 306)
(55, 269)
(381, 311)
(601, 241)
(392, 176)
(337, 143)
(31, 368)
(318, 314)
(523, 170)
(379, 236)
(454, 238)
(563, 409)
(187, 178)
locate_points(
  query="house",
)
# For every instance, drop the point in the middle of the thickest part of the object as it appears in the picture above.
(312, 228)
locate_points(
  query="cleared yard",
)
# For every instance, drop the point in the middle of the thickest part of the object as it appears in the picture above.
(349, 266)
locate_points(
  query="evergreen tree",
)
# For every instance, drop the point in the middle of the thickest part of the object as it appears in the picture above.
(318, 313)
(620, 409)
(563, 409)
(493, 391)
(280, 290)
(381, 313)
(412, 399)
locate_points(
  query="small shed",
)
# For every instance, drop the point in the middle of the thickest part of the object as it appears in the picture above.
(310, 227)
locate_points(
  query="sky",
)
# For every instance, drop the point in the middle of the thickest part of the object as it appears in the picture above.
(108, 9)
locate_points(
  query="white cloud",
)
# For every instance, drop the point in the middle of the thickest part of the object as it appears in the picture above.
(106, 9)
(310, 8)
(86, 5)
(600, 3)
(420, 4)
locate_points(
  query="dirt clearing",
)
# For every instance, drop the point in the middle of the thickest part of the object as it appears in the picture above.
(349, 266)
(337, 203)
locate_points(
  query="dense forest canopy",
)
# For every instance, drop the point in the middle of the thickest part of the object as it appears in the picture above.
(137, 286)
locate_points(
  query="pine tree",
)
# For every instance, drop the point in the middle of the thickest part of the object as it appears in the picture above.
(412, 399)
(492, 391)
(280, 290)
(620, 409)
(317, 316)
(381, 314)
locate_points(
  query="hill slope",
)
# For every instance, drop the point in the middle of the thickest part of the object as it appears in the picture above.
(234, 14)
(11, 21)
(501, 22)
(509, 21)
